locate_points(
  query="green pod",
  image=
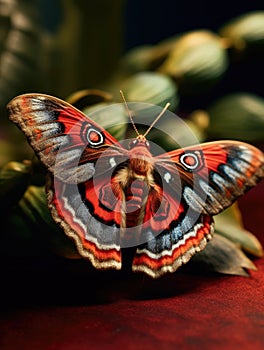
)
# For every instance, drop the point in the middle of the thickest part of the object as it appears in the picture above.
(147, 57)
(197, 61)
(238, 116)
(138, 59)
(14, 180)
(245, 33)
(181, 135)
(151, 87)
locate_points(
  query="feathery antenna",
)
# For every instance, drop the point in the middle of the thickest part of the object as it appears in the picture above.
(131, 117)
(158, 117)
(129, 113)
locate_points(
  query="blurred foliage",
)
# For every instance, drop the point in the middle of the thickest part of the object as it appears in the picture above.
(245, 34)
(21, 49)
(81, 62)
(87, 46)
(237, 116)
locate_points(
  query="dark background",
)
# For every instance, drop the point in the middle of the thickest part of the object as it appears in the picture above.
(150, 21)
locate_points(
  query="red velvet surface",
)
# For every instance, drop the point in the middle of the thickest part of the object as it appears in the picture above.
(55, 304)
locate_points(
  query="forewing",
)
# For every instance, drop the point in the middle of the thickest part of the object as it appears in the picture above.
(212, 175)
(65, 139)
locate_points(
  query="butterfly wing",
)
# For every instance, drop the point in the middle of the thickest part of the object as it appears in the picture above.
(70, 144)
(173, 235)
(197, 182)
(93, 226)
(65, 139)
(214, 174)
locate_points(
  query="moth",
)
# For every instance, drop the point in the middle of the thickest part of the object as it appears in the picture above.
(108, 195)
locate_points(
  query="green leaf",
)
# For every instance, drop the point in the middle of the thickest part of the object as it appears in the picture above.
(229, 224)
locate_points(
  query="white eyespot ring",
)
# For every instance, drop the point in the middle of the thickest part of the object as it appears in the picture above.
(95, 137)
(190, 160)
